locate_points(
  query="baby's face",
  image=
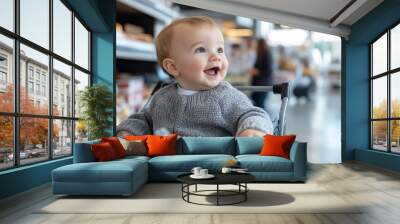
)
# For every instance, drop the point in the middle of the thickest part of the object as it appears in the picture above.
(198, 54)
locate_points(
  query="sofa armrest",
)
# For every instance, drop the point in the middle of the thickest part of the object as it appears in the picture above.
(83, 152)
(298, 155)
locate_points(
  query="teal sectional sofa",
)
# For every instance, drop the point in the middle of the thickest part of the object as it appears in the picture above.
(125, 176)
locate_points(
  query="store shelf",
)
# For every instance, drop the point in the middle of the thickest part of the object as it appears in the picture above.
(130, 49)
(153, 8)
(127, 47)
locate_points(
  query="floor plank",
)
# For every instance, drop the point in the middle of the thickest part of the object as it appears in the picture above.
(377, 189)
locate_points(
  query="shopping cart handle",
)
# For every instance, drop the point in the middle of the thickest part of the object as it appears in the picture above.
(282, 88)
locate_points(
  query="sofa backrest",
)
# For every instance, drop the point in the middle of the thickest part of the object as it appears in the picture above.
(190, 146)
(83, 153)
(206, 145)
(249, 145)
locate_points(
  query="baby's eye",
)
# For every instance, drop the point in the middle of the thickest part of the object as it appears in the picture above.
(200, 50)
(220, 50)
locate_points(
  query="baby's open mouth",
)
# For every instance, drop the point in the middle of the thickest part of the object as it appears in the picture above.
(212, 71)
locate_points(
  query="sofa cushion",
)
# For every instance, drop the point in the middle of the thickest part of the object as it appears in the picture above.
(134, 147)
(131, 158)
(248, 145)
(83, 152)
(111, 171)
(185, 163)
(206, 145)
(257, 163)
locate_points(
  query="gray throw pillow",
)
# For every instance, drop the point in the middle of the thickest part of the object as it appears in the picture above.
(134, 147)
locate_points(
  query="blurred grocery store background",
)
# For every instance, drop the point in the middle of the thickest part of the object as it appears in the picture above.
(310, 61)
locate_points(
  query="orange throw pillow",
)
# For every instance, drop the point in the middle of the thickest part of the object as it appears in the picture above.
(116, 145)
(136, 137)
(161, 145)
(277, 145)
(103, 152)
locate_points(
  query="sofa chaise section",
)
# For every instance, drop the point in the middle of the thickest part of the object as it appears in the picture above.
(87, 177)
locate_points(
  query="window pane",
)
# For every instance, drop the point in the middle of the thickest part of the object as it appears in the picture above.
(81, 131)
(33, 139)
(62, 141)
(379, 98)
(379, 55)
(395, 94)
(395, 136)
(395, 47)
(81, 81)
(34, 72)
(35, 21)
(379, 135)
(6, 74)
(6, 142)
(7, 14)
(62, 89)
(62, 29)
(81, 45)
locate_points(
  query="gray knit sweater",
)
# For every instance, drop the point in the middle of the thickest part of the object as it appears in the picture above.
(220, 111)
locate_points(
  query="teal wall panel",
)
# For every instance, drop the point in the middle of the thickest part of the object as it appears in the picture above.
(90, 12)
(104, 54)
(376, 158)
(355, 76)
(24, 178)
(356, 112)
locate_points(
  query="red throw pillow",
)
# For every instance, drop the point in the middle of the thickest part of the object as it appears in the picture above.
(103, 152)
(277, 145)
(161, 145)
(116, 145)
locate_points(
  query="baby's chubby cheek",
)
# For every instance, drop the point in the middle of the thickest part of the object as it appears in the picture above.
(225, 67)
(189, 67)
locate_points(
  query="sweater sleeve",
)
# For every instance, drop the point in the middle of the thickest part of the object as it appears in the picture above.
(137, 124)
(238, 108)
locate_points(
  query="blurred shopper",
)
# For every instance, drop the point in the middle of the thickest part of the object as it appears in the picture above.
(241, 57)
(261, 73)
(236, 58)
(250, 52)
(305, 83)
(285, 62)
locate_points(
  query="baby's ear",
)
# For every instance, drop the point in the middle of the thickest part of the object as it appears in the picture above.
(169, 65)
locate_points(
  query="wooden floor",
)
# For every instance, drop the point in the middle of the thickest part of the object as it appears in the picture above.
(378, 188)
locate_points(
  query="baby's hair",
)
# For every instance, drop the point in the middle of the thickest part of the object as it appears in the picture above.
(163, 40)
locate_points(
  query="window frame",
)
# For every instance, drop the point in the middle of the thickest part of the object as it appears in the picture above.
(388, 74)
(16, 114)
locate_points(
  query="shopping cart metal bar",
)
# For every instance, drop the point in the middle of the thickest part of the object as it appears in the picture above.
(284, 90)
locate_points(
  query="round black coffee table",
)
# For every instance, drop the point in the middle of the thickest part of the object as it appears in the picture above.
(238, 179)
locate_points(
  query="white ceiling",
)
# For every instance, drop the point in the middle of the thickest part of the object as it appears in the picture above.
(315, 15)
(321, 9)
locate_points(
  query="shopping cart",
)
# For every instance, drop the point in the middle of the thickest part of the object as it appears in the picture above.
(283, 89)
